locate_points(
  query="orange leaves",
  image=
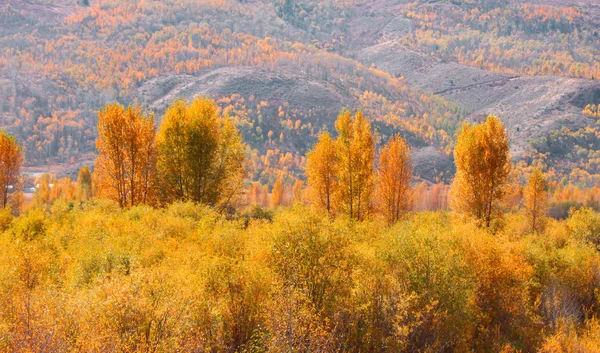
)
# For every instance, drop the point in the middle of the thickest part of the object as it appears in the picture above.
(11, 159)
(394, 194)
(126, 163)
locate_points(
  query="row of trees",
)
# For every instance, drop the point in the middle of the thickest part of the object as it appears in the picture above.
(341, 174)
(342, 178)
(197, 155)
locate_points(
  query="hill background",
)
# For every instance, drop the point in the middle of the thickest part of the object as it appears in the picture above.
(285, 68)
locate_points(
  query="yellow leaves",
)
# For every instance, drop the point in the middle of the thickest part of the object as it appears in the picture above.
(277, 196)
(536, 201)
(184, 278)
(126, 162)
(320, 172)
(355, 152)
(483, 165)
(394, 193)
(200, 154)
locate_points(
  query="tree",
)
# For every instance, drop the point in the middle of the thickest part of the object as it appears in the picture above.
(10, 165)
(321, 173)
(355, 158)
(536, 201)
(84, 183)
(394, 193)
(277, 197)
(482, 170)
(254, 194)
(298, 191)
(43, 193)
(126, 162)
(201, 154)
(265, 196)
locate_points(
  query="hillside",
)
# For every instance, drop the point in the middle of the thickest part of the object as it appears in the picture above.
(285, 68)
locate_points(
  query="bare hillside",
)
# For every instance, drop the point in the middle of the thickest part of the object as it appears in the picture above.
(275, 87)
(531, 106)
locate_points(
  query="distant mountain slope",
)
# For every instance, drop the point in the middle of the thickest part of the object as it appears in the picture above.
(285, 68)
(531, 106)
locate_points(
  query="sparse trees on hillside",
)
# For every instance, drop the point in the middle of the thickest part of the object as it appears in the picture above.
(10, 165)
(536, 201)
(482, 169)
(394, 194)
(201, 154)
(126, 163)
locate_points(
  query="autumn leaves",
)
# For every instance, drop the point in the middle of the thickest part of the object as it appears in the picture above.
(10, 165)
(341, 174)
(197, 155)
(342, 179)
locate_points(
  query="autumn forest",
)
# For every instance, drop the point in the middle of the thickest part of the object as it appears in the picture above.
(299, 176)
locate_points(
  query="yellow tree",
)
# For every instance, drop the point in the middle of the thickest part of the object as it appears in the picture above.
(394, 194)
(298, 191)
(536, 201)
(277, 196)
(355, 157)
(43, 193)
(84, 184)
(255, 194)
(482, 170)
(201, 154)
(126, 163)
(320, 172)
(265, 195)
(10, 165)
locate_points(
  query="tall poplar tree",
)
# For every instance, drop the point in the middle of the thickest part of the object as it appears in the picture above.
(277, 195)
(11, 159)
(201, 154)
(321, 172)
(482, 169)
(536, 201)
(394, 194)
(126, 164)
(84, 183)
(355, 149)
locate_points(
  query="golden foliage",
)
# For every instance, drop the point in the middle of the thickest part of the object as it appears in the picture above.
(277, 195)
(125, 169)
(536, 201)
(84, 184)
(355, 148)
(98, 278)
(394, 194)
(11, 159)
(482, 170)
(200, 154)
(321, 173)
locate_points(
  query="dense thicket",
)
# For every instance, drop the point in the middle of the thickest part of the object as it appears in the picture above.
(97, 278)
